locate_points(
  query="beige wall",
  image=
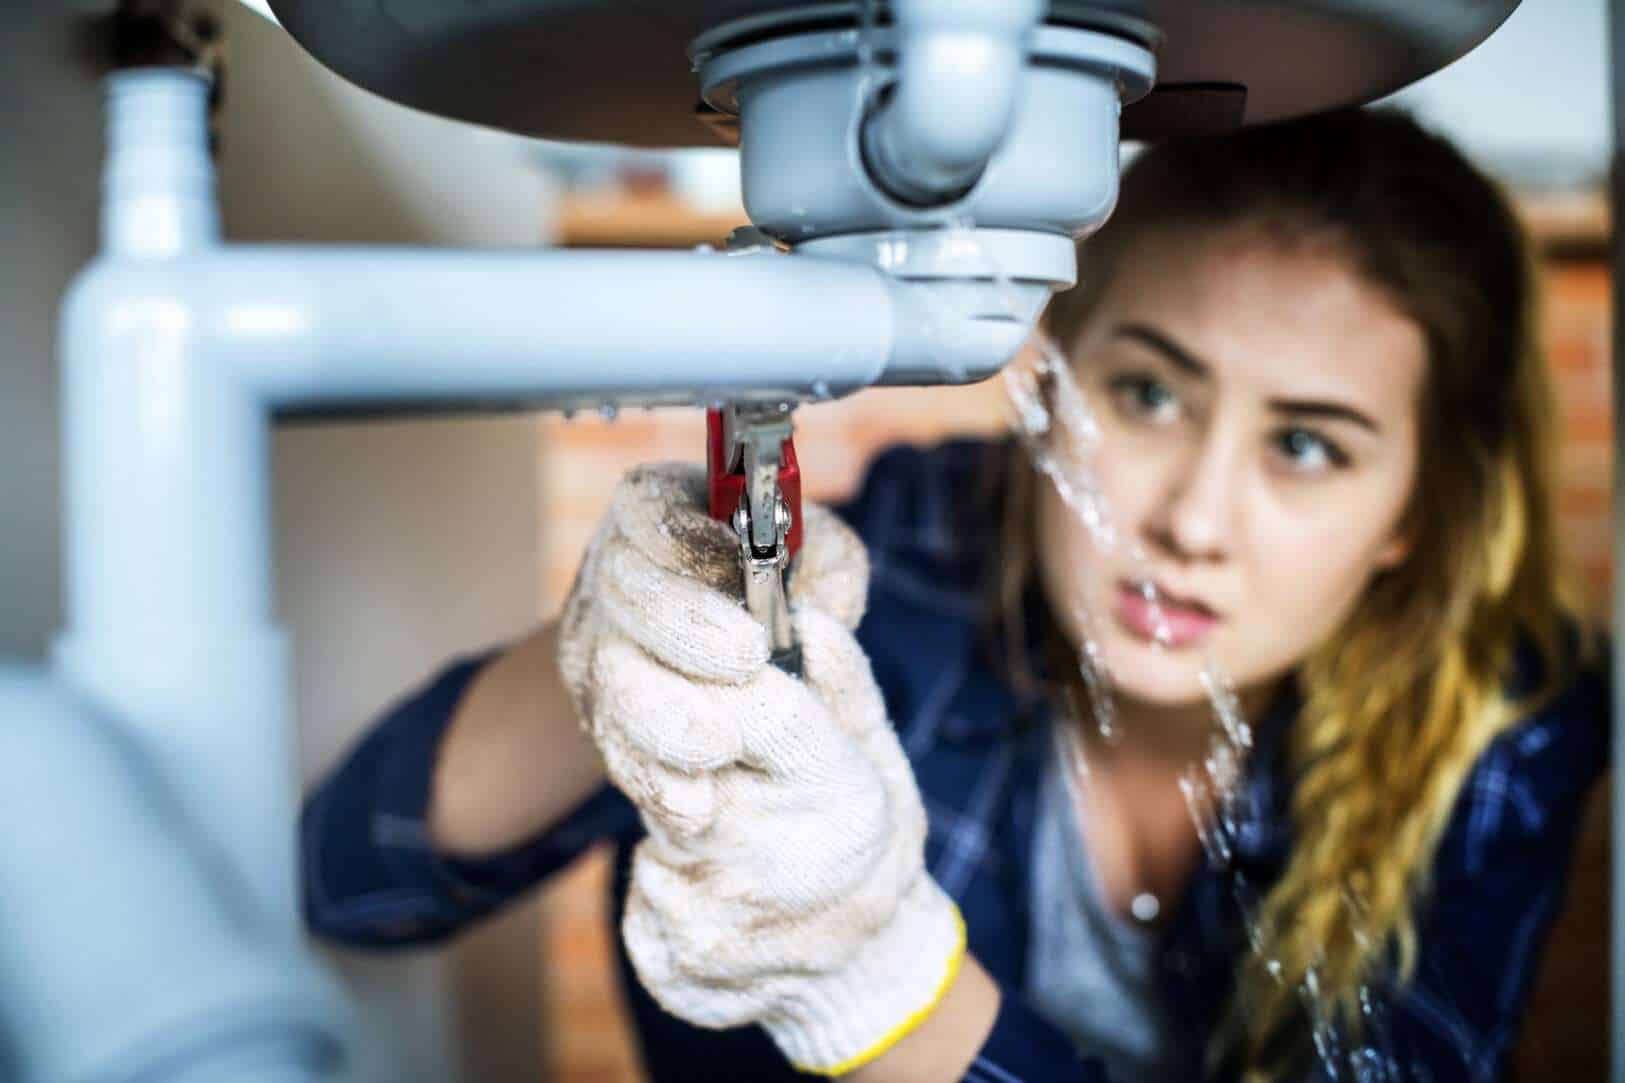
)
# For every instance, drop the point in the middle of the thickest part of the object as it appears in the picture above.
(400, 544)
(49, 155)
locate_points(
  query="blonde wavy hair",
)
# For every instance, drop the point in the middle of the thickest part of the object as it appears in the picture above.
(1401, 700)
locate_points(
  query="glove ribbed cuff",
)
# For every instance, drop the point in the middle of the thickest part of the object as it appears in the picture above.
(845, 1019)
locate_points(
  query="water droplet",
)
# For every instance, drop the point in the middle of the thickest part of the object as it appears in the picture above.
(1022, 390)
(1221, 692)
(1097, 680)
(1328, 1041)
(1072, 749)
(1051, 440)
(609, 411)
(1200, 804)
(1369, 1066)
(705, 249)
(1326, 1047)
(821, 391)
(1223, 768)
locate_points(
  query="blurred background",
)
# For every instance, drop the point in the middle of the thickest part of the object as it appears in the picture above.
(402, 544)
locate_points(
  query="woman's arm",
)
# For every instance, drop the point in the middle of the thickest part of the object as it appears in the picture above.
(514, 759)
(942, 1048)
(981, 1034)
(465, 793)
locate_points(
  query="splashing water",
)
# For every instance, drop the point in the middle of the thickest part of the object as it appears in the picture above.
(1221, 692)
(1375, 1061)
(1096, 680)
(1358, 912)
(1051, 419)
(1073, 749)
(1366, 1065)
(1328, 1041)
(1203, 805)
(1072, 475)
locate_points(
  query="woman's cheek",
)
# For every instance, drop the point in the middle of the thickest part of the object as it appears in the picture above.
(1131, 475)
(1304, 583)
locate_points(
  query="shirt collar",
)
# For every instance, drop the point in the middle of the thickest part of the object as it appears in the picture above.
(987, 706)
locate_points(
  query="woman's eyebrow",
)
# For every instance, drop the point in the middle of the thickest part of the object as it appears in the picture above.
(1333, 410)
(1182, 358)
(1167, 347)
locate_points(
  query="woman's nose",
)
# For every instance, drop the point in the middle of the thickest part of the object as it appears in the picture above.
(1195, 518)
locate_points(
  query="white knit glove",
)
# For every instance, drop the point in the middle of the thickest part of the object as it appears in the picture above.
(782, 881)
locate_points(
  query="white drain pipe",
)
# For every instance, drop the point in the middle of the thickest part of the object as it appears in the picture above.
(178, 351)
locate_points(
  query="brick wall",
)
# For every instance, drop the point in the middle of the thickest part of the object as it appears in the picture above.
(1578, 334)
(1565, 1031)
(582, 459)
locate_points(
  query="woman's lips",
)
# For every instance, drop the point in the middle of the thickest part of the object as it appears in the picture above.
(1166, 621)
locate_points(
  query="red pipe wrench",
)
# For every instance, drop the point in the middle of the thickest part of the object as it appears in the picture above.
(754, 484)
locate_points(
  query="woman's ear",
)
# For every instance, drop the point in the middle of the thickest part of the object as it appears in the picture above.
(1402, 541)
(1393, 554)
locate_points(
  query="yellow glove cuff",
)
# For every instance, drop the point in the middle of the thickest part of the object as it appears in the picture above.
(914, 1019)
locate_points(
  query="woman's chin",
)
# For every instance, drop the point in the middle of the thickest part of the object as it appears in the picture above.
(1156, 677)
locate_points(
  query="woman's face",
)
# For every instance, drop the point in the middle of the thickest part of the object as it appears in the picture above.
(1258, 414)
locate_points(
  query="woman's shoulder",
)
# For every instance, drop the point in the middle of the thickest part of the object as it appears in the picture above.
(1531, 782)
(929, 517)
(1568, 728)
(919, 513)
(932, 499)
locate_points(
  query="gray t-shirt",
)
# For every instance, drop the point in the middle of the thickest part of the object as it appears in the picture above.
(1089, 972)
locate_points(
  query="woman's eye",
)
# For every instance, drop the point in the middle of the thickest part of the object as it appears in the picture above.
(1309, 452)
(1143, 396)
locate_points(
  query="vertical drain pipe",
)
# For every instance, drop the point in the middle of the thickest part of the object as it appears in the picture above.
(168, 609)
(1616, 37)
(158, 197)
(169, 705)
(127, 955)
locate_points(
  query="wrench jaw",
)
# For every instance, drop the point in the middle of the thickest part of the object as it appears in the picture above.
(751, 454)
(765, 592)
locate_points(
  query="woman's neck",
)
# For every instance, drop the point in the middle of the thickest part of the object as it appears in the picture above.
(1163, 736)
(1136, 821)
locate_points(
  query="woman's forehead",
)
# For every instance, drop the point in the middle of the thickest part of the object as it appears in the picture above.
(1265, 312)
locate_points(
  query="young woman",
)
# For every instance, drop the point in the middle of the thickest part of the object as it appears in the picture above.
(1324, 436)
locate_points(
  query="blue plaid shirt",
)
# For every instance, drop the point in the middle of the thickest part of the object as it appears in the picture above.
(978, 751)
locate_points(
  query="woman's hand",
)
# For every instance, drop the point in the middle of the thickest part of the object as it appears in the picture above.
(782, 881)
